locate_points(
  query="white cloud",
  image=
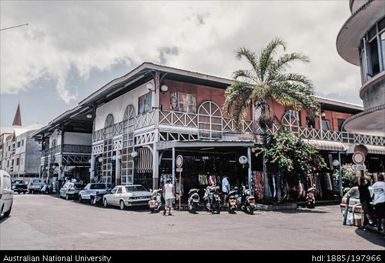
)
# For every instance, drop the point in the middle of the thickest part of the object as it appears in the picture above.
(200, 36)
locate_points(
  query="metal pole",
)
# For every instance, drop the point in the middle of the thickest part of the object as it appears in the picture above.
(180, 189)
(249, 170)
(340, 175)
(173, 165)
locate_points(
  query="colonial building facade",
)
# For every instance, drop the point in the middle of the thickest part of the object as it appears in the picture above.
(141, 121)
(20, 153)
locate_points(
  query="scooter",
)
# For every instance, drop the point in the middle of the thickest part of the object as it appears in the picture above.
(97, 197)
(212, 199)
(248, 202)
(193, 200)
(155, 202)
(232, 200)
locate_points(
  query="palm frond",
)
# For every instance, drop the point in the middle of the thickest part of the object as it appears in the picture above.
(284, 61)
(266, 56)
(237, 100)
(249, 55)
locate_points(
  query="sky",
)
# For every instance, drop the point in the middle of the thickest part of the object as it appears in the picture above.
(71, 48)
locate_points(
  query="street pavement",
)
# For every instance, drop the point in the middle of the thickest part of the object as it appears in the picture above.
(44, 222)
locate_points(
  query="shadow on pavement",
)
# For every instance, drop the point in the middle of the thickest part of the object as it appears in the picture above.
(298, 211)
(370, 236)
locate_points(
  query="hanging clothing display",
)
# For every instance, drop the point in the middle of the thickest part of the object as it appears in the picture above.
(202, 179)
(258, 184)
(212, 180)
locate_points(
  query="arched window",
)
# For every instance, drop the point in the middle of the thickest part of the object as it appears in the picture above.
(108, 125)
(109, 121)
(210, 120)
(129, 112)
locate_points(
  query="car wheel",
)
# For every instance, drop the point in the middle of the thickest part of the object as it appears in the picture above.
(105, 204)
(122, 205)
(80, 199)
(6, 214)
(67, 197)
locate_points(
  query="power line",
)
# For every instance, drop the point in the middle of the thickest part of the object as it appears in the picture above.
(13, 27)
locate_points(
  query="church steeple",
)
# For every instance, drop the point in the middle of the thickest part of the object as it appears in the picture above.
(17, 118)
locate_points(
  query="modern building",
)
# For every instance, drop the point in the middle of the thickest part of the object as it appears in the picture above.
(141, 121)
(20, 154)
(361, 41)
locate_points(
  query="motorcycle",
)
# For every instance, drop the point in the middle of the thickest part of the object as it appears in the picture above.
(212, 199)
(155, 202)
(232, 200)
(248, 202)
(193, 200)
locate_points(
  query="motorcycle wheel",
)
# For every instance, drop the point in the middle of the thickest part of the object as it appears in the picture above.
(231, 210)
(249, 210)
(152, 210)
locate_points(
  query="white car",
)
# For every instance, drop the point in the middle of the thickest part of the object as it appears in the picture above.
(92, 189)
(6, 194)
(127, 195)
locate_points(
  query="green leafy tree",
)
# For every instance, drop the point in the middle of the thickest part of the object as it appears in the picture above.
(291, 157)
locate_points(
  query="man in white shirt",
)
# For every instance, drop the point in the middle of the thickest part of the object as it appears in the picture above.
(379, 200)
(225, 188)
(169, 196)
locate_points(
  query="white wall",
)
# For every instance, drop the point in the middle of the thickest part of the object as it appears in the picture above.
(77, 138)
(55, 135)
(117, 106)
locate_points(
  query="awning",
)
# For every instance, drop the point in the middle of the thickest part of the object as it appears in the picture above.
(373, 149)
(327, 145)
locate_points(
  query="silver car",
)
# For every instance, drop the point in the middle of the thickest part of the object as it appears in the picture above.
(35, 185)
(92, 189)
(127, 195)
(70, 190)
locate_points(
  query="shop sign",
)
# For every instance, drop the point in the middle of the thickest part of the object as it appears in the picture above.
(359, 167)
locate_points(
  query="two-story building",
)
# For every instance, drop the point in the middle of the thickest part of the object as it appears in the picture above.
(141, 121)
(20, 153)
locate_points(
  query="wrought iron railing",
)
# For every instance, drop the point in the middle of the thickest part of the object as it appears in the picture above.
(173, 119)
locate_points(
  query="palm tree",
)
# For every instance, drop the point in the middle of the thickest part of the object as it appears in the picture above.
(265, 81)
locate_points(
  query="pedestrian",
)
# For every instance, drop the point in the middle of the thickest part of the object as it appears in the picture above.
(379, 200)
(310, 197)
(169, 196)
(365, 199)
(225, 188)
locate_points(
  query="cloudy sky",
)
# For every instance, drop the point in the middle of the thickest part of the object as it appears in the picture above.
(70, 49)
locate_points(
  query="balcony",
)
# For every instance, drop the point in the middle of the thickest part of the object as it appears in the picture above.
(203, 127)
(66, 149)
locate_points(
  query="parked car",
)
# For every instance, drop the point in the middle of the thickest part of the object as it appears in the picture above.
(6, 194)
(70, 190)
(35, 185)
(127, 195)
(354, 199)
(92, 189)
(19, 186)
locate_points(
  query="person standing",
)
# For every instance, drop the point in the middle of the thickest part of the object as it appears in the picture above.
(169, 196)
(379, 200)
(225, 188)
(365, 199)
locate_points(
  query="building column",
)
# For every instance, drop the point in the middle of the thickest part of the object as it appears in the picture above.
(92, 168)
(250, 174)
(173, 165)
(117, 167)
(155, 167)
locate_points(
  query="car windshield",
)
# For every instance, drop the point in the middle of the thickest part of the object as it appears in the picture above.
(18, 182)
(136, 188)
(97, 186)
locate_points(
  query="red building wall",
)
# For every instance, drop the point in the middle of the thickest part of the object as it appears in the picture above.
(206, 93)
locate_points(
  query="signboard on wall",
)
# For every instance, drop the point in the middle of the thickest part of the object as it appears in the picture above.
(358, 157)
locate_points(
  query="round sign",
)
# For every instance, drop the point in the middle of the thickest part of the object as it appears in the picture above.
(243, 159)
(179, 161)
(358, 157)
